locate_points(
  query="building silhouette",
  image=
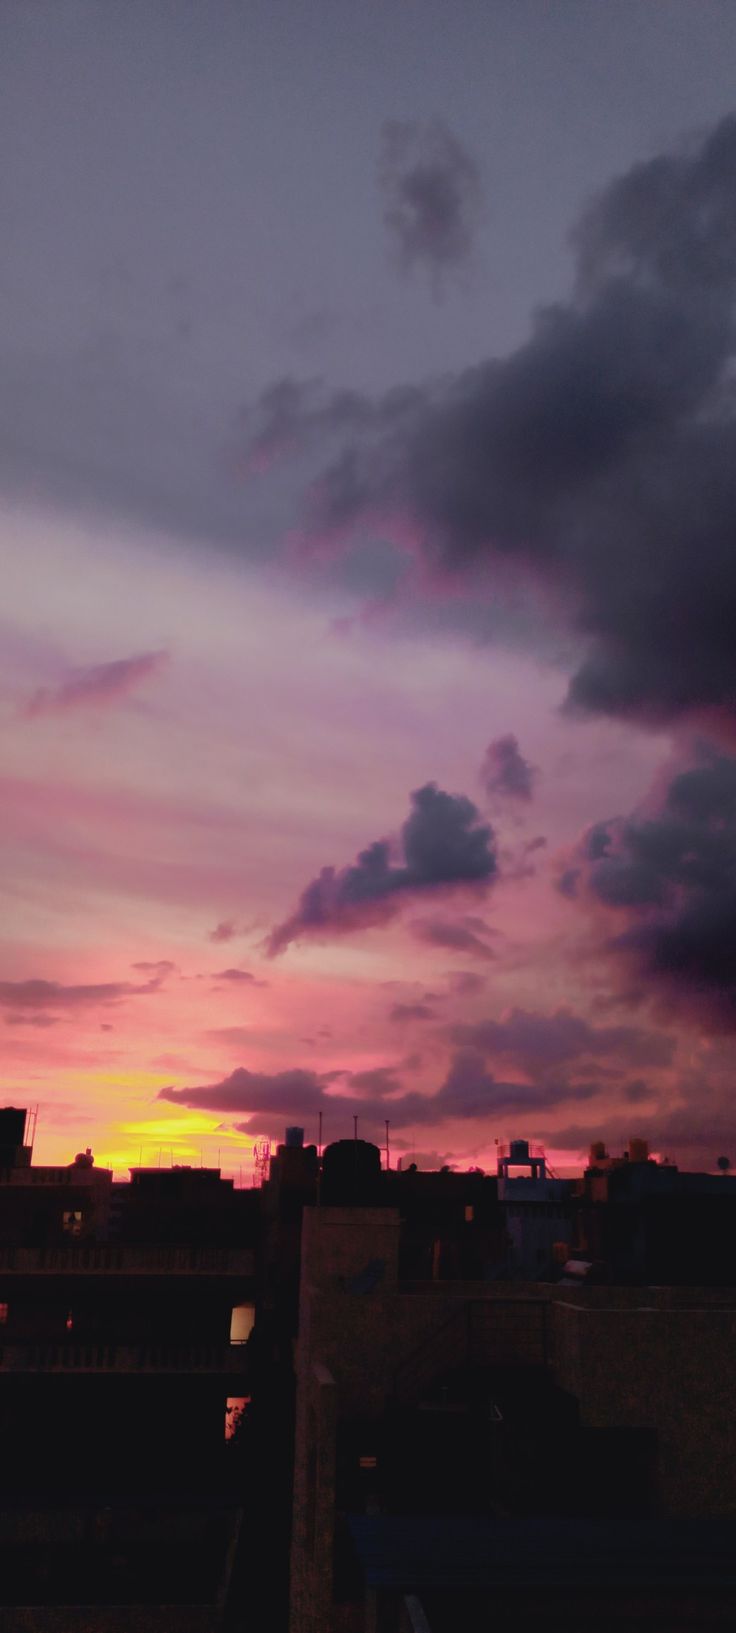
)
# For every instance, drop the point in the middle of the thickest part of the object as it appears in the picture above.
(359, 1398)
(123, 1310)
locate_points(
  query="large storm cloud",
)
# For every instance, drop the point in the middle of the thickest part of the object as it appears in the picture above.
(668, 875)
(600, 456)
(469, 1092)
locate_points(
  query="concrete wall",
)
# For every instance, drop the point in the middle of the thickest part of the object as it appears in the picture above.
(111, 1619)
(659, 1358)
(672, 1370)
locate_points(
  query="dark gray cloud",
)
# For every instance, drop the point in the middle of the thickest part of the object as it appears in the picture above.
(35, 994)
(432, 197)
(378, 1080)
(464, 935)
(238, 977)
(505, 773)
(466, 983)
(299, 1095)
(539, 1042)
(411, 1012)
(280, 1093)
(291, 414)
(443, 844)
(600, 456)
(669, 874)
(469, 1091)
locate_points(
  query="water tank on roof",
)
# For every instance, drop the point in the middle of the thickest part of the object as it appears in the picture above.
(294, 1137)
(351, 1172)
(12, 1125)
(638, 1151)
(519, 1151)
(597, 1152)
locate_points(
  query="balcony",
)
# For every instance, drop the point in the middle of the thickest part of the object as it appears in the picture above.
(94, 1259)
(213, 1359)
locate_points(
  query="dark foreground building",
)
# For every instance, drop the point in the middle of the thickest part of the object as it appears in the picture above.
(124, 1315)
(467, 1400)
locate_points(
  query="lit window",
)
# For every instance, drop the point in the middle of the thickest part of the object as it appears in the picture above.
(3, 1313)
(235, 1407)
(469, 1213)
(241, 1323)
(71, 1222)
(368, 1462)
(69, 1321)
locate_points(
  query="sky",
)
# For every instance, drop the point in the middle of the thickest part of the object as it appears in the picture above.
(367, 522)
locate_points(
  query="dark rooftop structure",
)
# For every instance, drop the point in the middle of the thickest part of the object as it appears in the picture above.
(428, 1399)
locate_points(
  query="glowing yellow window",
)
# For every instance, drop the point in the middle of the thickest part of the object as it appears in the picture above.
(241, 1323)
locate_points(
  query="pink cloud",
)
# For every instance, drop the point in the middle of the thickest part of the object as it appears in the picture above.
(223, 931)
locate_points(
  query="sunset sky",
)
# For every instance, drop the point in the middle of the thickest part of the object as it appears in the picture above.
(368, 525)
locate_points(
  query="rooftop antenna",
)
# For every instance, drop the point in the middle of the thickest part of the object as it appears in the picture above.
(319, 1137)
(388, 1152)
(30, 1133)
(355, 1128)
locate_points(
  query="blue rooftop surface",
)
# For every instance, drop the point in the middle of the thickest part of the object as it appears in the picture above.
(425, 1553)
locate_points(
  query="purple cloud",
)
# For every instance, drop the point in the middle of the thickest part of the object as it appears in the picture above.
(443, 844)
(225, 931)
(469, 1091)
(238, 976)
(433, 197)
(539, 1042)
(505, 774)
(668, 873)
(464, 935)
(43, 995)
(411, 1012)
(605, 440)
(97, 685)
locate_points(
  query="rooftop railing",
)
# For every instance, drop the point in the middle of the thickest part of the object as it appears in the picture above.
(105, 1259)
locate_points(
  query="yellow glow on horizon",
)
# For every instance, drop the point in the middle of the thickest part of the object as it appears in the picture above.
(129, 1078)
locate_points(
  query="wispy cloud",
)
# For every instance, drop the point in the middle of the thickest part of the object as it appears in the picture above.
(95, 686)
